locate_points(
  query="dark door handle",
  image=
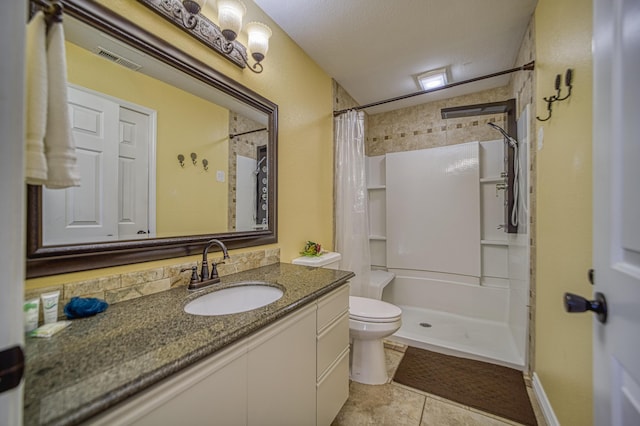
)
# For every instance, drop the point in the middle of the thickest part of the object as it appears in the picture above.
(574, 303)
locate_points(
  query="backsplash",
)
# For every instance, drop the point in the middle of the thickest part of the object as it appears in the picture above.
(120, 287)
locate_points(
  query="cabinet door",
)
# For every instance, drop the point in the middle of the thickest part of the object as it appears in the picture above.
(212, 392)
(282, 373)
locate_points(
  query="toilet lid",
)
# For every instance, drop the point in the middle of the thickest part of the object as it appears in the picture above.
(372, 310)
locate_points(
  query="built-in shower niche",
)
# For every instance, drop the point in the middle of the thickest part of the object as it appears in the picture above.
(376, 188)
(493, 243)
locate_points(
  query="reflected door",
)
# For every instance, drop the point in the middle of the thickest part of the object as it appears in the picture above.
(108, 137)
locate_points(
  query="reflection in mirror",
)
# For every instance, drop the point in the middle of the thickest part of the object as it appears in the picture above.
(131, 116)
(134, 113)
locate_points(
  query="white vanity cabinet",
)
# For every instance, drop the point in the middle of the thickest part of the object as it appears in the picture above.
(293, 372)
(281, 372)
(332, 365)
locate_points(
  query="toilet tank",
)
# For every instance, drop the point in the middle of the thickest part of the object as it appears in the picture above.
(329, 260)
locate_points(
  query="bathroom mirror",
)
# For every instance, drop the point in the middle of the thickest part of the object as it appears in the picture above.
(207, 168)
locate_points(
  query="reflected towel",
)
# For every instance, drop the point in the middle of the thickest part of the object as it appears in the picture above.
(60, 148)
(36, 100)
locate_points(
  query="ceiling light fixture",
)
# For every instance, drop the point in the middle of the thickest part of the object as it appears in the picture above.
(432, 79)
(222, 37)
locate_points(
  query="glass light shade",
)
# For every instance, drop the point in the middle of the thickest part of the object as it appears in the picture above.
(193, 6)
(230, 13)
(258, 42)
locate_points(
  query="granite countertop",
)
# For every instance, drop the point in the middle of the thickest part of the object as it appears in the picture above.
(99, 361)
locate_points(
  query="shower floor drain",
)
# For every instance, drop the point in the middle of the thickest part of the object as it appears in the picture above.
(425, 324)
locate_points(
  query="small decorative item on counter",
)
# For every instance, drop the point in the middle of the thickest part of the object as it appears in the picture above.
(50, 329)
(311, 249)
(50, 306)
(31, 310)
(80, 307)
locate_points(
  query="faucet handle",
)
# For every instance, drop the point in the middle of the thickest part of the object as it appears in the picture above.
(194, 273)
(214, 270)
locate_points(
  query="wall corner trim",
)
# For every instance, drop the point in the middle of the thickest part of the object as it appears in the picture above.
(544, 402)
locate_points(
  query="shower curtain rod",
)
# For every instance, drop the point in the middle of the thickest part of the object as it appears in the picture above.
(232, 135)
(526, 67)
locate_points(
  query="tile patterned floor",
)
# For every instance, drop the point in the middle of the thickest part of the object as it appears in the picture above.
(393, 404)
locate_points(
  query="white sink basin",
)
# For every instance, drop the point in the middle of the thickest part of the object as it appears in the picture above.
(233, 300)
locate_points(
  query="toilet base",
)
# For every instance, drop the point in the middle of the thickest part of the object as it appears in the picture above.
(368, 365)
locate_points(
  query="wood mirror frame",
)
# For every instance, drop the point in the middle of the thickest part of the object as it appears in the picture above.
(52, 260)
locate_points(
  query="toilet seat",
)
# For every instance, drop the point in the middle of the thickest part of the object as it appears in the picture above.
(371, 310)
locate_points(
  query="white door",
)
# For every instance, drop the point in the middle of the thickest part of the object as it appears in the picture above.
(81, 214)
(110, 135)
(133, 174)
(616, 183)
(12, 232)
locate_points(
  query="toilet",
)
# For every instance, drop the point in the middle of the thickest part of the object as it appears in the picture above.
(370, 321)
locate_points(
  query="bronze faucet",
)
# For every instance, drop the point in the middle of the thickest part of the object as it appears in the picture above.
(205, 280)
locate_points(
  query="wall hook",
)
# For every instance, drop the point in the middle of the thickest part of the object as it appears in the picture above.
(193, 158)
(549, 102)
(568, 79)
(205, 164)
(181, 160)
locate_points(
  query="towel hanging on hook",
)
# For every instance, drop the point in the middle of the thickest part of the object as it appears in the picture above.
(53, 10)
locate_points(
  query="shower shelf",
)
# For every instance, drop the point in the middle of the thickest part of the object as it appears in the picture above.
(378, 237)
(375, 187)
(494, 242)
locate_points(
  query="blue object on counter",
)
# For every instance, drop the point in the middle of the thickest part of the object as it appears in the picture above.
(80, 307)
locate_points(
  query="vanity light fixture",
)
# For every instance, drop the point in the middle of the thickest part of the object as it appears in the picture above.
(222, 37)
(230, 14)
(432, 79)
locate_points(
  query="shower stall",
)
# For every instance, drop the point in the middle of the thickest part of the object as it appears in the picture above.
(438, 221)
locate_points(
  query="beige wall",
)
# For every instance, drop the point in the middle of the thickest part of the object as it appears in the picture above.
(303, 93)
(563, 356)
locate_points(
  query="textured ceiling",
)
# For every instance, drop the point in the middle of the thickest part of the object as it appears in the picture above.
(375, 48)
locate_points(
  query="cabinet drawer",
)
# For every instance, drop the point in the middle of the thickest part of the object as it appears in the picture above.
(332, 342)
(332, 305)
(333, 390)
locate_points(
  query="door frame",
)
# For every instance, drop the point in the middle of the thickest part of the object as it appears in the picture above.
(12, 191)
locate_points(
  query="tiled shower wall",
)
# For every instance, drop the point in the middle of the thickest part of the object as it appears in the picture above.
(422, 126)
(245, 145)
(523, 89)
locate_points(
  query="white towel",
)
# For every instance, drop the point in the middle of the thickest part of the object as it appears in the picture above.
(60, 148)
(36, 81)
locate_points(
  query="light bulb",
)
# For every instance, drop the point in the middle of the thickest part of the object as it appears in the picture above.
(258, 42)
(230, 14)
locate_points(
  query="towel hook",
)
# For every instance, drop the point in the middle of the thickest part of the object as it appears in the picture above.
(568, 81)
